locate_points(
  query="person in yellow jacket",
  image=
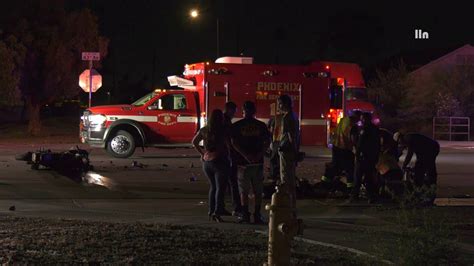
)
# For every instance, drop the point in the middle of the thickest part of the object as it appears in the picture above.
(342, 149)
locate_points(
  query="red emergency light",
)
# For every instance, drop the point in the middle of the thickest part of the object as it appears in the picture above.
(340, 81)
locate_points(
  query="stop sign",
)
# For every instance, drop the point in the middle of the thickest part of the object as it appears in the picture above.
(84, 80)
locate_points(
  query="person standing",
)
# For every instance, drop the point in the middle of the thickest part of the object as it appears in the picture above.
(289, 146)
(230, 109)
(342, 150)
(215, 161)
(274, 126)
(367, 154)
(250, 139)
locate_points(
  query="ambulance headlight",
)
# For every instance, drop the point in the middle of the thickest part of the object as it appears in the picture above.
(97, 120)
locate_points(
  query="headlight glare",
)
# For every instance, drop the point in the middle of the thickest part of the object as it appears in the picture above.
(97, 119)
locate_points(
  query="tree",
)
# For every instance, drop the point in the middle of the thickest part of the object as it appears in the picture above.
(390, 91)
(11, 54)
(447, 105)
(455, 85)
(54, 39)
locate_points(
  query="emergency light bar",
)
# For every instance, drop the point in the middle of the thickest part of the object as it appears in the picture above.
(316, 74)
(181, 82)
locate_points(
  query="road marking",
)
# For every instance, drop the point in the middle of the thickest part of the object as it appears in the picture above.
(319, 243)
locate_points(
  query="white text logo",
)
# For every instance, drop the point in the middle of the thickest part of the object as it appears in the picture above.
(421, 35)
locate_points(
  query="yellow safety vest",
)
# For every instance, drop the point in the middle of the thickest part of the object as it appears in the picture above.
(342, 138)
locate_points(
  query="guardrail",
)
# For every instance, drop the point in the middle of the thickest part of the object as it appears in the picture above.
(451, 126)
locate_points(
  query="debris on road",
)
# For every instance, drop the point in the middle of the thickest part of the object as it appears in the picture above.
(138, 164)
(73, 162)
(12, 208)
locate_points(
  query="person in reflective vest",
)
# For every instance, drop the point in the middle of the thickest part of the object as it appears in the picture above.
(342, 150)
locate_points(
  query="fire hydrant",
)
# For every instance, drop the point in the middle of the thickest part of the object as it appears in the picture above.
(282, 227)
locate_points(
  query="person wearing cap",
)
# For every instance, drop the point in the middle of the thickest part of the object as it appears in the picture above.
(250, 138)
(289, 147)
(426, 150)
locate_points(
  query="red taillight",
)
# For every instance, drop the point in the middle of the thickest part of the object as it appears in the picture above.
(327, 67)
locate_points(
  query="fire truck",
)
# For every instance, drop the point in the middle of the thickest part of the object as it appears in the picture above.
(170, 118)
(348, 77)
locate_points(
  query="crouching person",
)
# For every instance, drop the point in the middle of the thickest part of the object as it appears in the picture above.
(390, 176)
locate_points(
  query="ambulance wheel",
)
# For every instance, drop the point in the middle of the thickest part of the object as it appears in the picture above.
(121, 145)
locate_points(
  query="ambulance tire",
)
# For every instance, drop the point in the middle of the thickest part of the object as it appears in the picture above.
(121, 144)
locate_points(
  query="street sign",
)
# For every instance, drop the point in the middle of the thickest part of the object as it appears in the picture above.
(84, 81)
(90, 56)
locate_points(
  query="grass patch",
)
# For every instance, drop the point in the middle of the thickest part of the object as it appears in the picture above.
(46, 241)
(418, 236)
(54, 130)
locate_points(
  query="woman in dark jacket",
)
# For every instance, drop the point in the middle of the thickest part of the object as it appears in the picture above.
(215, 158)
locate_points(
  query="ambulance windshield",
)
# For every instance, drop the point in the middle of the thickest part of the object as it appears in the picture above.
(144, 99)
(356, 94)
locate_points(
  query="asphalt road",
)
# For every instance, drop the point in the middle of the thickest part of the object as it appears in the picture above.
(163, 190)
(166, 174)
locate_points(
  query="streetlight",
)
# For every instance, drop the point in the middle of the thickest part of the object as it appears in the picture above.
(194, 13)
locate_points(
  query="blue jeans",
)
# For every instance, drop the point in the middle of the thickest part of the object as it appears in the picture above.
(217, 171)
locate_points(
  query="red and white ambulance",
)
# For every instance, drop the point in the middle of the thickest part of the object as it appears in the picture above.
(170, 118)
(349, 77)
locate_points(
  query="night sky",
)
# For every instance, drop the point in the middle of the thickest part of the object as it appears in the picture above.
(153, 39)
